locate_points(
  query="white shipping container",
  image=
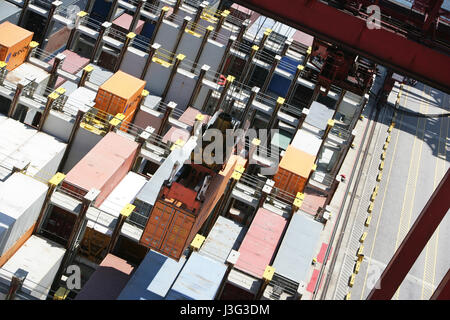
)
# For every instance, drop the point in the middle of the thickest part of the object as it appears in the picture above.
(123, 194)
(306, 142)
(39, 257)
(29, 71)
(21, 200)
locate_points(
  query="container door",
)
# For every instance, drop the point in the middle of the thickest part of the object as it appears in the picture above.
(177, 235)
(157, 225)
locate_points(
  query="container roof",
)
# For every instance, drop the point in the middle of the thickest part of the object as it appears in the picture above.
(123, 85)
(10, 34)
(200, 279)
(307, 142)
(302, 230)
(260, 242)
(153, 278)
(297, 161)
(318, 115)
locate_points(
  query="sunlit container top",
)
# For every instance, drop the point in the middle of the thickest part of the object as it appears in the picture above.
(39, 257)
(318, 115)
(306, 142)
(153, 278)
(298, 247)
(226, 235)
(107, 281)
(260, 242)
(123, 85)
(9, 12)
(200, 279)
(297, 161)
(11, 34)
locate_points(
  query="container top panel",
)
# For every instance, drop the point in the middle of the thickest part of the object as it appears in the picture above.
(39, 257)
(123, 85)
(189, 115)
(107, 281)
(260, 242)
(226, 235)
(297, 161)
(11, 34)
(7, 10)
(199, 280)
(307, 142)
(153, 278)
(13, 201)
(108, 155)
(27, 71)
(298, 247)
(303, 38)
(124, 21)
(244, 281)
(318, 115)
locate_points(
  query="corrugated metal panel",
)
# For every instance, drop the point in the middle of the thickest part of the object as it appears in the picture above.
(153, 278)
(41, 258)
(107, 281)
(260, 242)
(104, 166)
(200, 279)
(306, 142)
(226, 235)
(319, 115)
(298, 247)
(21, 199)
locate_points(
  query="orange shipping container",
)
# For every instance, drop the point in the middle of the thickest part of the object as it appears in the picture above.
(120, 94)
(294, 170)
(14, 44)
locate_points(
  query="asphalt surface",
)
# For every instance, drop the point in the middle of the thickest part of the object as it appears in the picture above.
(417, 158)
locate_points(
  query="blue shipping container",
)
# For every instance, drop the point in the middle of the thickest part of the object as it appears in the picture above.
(153, 278)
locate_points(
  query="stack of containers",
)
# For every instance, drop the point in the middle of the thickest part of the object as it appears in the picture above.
(121, 93)
(103, 167)
(21, 200)
(107, 281)
(255, 253)
(153, 278)
(200, 279)
(41, 259)
(297, 249)
(14, 44)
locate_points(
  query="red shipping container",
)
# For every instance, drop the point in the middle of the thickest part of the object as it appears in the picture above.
(260, 242)
(103, 167)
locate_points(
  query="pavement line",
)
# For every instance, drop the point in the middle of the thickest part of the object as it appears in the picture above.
(430, 262)
(410, 195)
(382, 202)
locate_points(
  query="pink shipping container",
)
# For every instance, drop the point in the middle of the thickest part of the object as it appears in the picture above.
(72, 64)
(260, 242)
(103, 167)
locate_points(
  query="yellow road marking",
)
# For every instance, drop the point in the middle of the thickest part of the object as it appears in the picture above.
(410, 195)
(382, 202)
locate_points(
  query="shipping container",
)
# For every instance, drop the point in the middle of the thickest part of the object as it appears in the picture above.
(72, 64)
(225, 235)
(123, 23)
(199, 279)
(21, 200)
(293, 171)
(240, 286)
(260, 242)
(297, 249)
(103, 167)
(170, 229)
(14, 44)
(41, 259)
(318, 115)
(307, 141)
(28, 71)
(107, 281)
(121, 93)
(153, 278)
(124, 193)
(9, 12)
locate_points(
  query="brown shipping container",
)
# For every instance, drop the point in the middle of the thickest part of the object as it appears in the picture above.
(14, 44)
(170, 230)
(103, 167)
(120, 94)
(294, 170)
